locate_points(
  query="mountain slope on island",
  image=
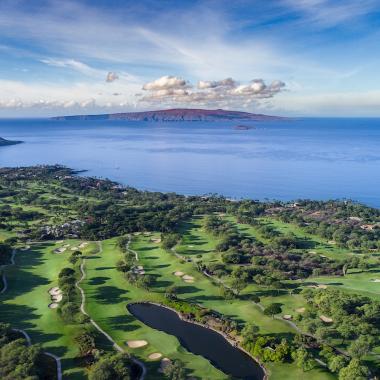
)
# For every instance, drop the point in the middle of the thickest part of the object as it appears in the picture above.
(4, 142)
(177, 114)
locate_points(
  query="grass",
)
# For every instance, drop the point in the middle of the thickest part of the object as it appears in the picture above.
(25, 304)
(108, 294)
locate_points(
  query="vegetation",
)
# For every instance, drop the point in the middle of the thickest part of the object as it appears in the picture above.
(295, 284)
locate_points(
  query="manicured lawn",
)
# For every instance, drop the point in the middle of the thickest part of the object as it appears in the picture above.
(107, 296)
(25, 304)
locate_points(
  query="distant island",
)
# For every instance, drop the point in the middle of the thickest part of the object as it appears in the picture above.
(4, 142)
(177, 114)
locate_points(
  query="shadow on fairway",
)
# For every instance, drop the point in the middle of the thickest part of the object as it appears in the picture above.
(123, 322)
(108, 295)
(98, 280)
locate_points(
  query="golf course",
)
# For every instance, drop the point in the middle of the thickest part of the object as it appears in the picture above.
(76, 262)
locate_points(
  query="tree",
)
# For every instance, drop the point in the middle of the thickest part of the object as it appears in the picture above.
(250, 332)
(175, 371)
(336, 363)
(354, 371)
(111, 367)
(238, 284)
(361, 346)
(303, 359)
(171, 292)
(273, 309)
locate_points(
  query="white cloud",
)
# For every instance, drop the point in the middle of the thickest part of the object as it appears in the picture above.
(166, 83)
(228, 82)
(176, 90)
(111, 76)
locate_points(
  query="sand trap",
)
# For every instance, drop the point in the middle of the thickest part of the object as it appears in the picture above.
(60, 250)
(141, 272)
(59, 241)
(287, 317)
(25, 248)
(136, 343)
(140, 267)
(82, 245)
(178, 273)
(74, 248)
(66, 246)
(155, 356)
(300, 310)
(189, 281)
(322, 286)
(158, 240)
(326, 319)
(187, 277)
(53, 305)
(190, 246)
(54, 291)
(57, 298)
(376, 280)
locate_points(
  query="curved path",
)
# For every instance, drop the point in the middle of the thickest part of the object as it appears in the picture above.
(83, 311)
(23, 332)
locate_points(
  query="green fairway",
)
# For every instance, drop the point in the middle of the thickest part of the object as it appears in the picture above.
(25, 304)
(107, 295)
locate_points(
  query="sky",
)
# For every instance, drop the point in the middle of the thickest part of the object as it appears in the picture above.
(282, 57)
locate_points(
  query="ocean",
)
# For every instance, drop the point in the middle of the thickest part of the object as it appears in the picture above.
(313, 158)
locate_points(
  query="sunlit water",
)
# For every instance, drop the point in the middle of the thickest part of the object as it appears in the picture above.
(303, 158)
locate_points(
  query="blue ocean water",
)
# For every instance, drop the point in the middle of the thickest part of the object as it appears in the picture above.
(300, 158)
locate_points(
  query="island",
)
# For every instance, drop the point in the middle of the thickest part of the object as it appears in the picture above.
(4, 142)
(176, 114)
(97, 277)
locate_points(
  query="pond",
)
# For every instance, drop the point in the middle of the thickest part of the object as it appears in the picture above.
(200, 341)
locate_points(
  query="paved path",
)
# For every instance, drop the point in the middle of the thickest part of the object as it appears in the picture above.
(23, 332)
(83, 311)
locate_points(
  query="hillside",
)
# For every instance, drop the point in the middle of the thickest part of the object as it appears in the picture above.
(177, 114)
(4, 142)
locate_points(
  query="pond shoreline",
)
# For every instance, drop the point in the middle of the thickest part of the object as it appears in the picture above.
(224, 335)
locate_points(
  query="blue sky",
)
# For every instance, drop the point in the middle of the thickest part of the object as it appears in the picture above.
(287, 57)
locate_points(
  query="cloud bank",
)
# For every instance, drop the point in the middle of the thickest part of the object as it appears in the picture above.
(225, 92)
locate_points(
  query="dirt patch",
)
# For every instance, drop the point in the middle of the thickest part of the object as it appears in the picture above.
(136, 343)
(155, 356)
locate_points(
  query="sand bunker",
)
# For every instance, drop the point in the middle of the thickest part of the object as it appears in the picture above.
(326, 319)
(187, 277)
(189, 281)
(140, 267)
(66, 246)
(300, 310)
(60, 250)
(74, 248)
(158, 240)
(178, 273)
(155, 356)
(53, 305)
(190, 246)
(376, 280)
(59, 242)
(82, 245)
(287, 317)
(54, 291)
(57, 298)
(322, 286)
(25, 248)
(136, 343)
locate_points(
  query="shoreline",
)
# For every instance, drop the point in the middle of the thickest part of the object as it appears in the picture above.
(224, 335)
